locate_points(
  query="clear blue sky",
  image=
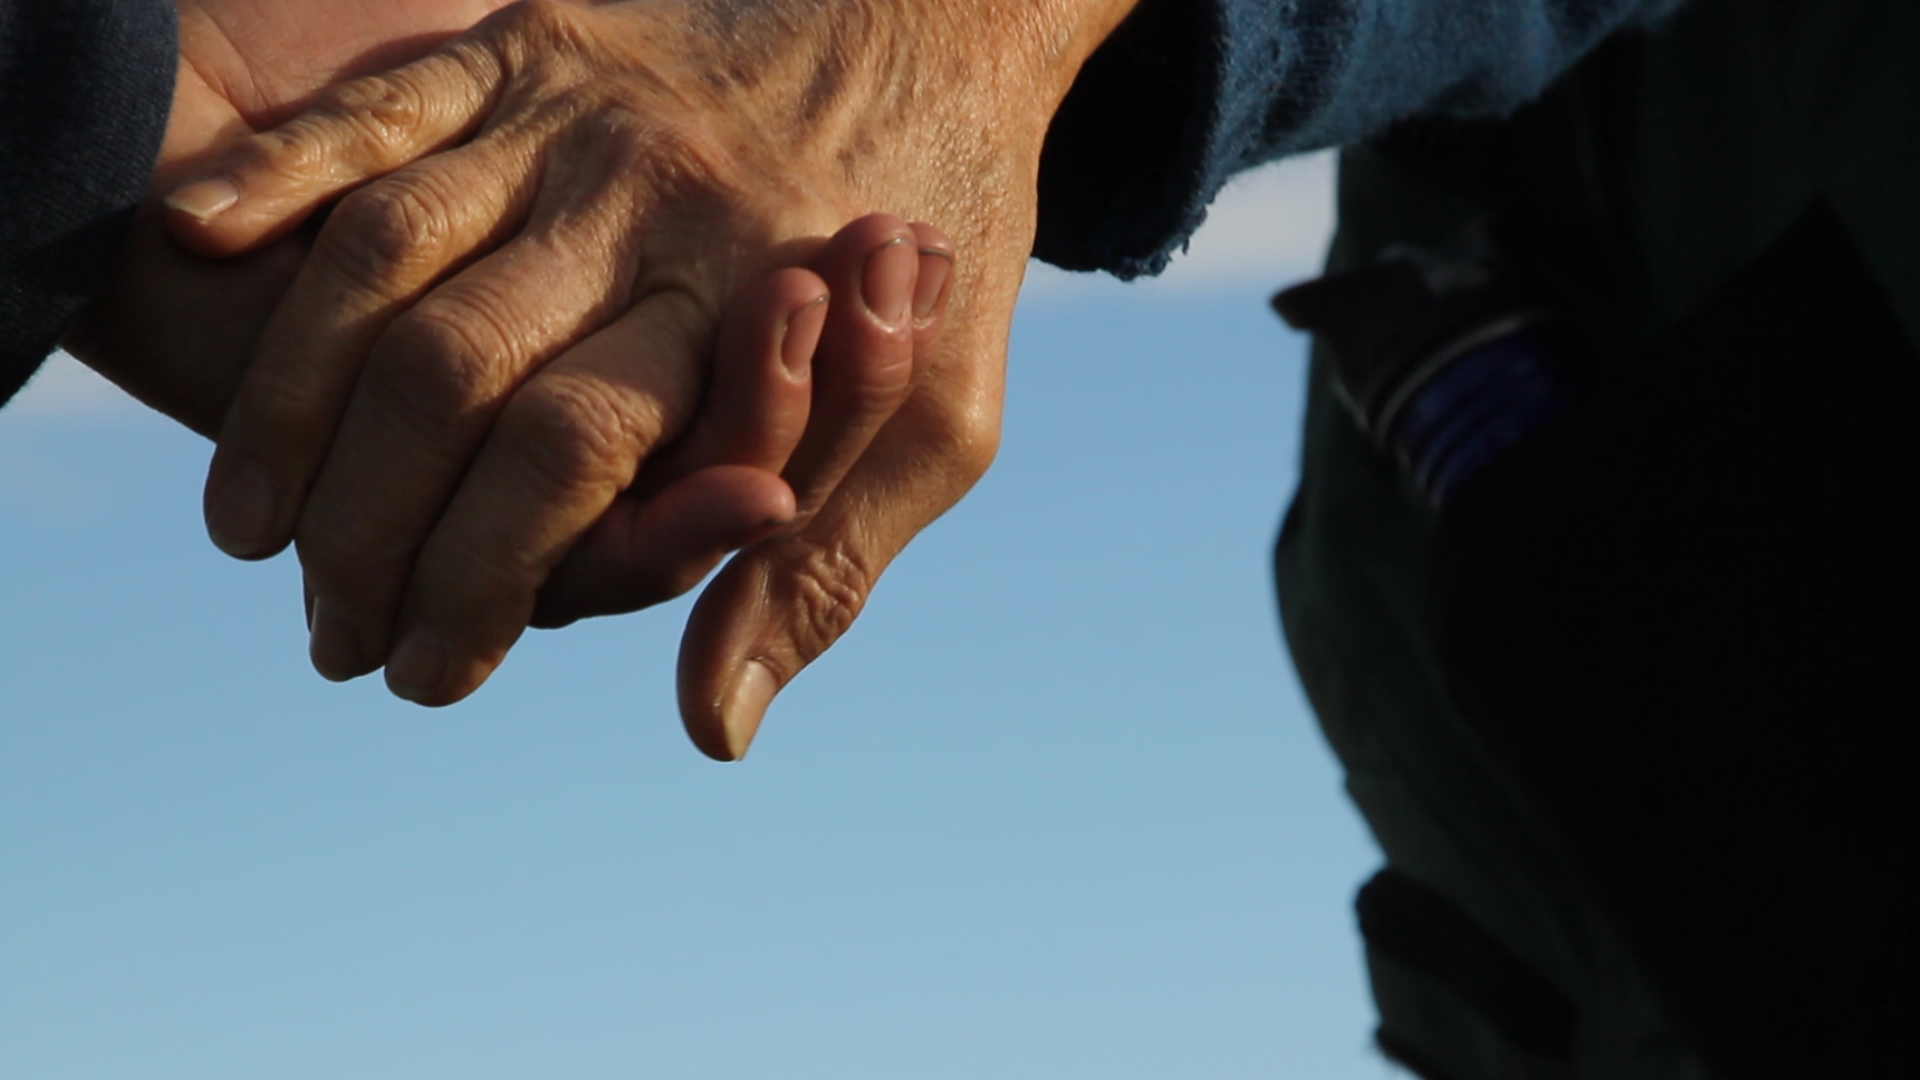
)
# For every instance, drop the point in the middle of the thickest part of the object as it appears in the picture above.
(1054, 809)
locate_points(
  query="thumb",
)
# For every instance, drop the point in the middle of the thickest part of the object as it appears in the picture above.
(784, 601)
(772, 611)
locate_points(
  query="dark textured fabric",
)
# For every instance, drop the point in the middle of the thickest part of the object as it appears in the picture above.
(1186, 94)
(1706, 578)
(85, 87)
(1421, 928)
(1677, 630)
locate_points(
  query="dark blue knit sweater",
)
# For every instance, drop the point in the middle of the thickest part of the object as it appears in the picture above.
(1185, 94)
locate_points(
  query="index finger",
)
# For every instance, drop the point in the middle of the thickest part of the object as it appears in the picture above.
(265, 185)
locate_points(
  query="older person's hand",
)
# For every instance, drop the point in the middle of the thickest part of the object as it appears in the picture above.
(505, 329)
(177, 330)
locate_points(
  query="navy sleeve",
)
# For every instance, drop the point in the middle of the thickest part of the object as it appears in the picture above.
(85, 87)
(1188, 92)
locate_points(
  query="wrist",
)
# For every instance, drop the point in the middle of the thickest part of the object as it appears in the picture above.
(1052, 38)
(968, 88)
(1024, 55)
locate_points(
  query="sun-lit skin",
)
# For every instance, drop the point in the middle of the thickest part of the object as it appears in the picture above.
(176, 330)
(601, 177)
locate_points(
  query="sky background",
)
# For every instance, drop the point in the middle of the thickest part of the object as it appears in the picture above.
(1054, 808)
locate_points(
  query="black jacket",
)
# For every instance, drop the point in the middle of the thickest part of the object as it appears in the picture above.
(85, 87)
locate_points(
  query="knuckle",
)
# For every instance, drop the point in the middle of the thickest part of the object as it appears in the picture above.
(437, 365)
(281, 400)
(672, 160)
(380, 111)
(329, 558)
(963, 436)
(694, 166)
(827, 588)
(476, 579)
(572, 432)
(291, 152)
(537, 31)
(884, 382)
(345, 558)
(533, 14)
(384, 234)
(686, 321)
(973, 445)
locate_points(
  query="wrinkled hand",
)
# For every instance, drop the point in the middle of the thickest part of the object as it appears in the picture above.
(506, 328)
(175, 330)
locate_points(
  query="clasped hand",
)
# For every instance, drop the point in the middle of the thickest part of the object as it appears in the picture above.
(544, 230)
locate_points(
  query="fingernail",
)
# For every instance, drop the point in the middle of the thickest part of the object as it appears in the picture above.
(418, 666)
(334, 646)
(935, 267)
(885, 286)
(205, 200)
(241, 510)
(802, 336)
(746, 704)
